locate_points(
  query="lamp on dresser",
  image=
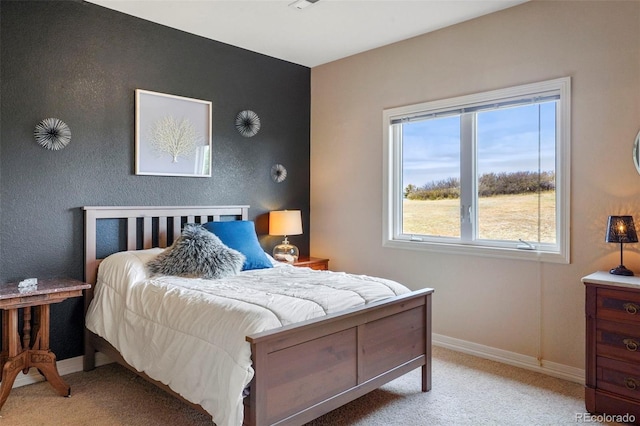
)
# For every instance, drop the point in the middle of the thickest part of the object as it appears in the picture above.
(284, 223)
(620, 229)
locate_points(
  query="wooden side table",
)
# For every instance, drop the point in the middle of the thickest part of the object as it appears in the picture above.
(316, 263)
(18, 352)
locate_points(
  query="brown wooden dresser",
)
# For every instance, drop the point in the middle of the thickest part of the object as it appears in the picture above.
(612, 384)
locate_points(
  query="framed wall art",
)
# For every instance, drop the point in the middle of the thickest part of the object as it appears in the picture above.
(173, 135)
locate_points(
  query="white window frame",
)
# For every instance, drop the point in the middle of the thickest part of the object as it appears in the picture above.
(393, 191)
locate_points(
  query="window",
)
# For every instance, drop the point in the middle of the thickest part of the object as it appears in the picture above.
(481, 174)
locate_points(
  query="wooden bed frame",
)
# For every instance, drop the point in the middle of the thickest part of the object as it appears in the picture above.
(304, 370)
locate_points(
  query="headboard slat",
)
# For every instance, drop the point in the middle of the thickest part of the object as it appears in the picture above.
(162, 231)
(177, 227)
(147, 239)
(132, 235)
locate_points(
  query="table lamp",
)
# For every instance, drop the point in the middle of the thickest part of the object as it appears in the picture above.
(621, 229)
(285, 222)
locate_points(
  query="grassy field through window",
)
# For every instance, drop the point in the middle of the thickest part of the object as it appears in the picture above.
(501, 217)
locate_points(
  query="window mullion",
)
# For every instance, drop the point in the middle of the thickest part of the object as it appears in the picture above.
(467, 177)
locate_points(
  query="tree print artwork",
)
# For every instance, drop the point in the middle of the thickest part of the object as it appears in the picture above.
(173, 137)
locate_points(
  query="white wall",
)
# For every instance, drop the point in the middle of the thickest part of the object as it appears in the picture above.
(531, 309)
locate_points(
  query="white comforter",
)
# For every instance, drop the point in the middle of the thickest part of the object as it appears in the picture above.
(190, 333)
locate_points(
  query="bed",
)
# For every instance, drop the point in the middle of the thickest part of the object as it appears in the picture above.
(299, 371)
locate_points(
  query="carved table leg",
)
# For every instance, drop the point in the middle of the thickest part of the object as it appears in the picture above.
(42, 358)
(42, 336)
(26, 332)
(45, 362)
(16, 357)
(5, 337)
(9, 373)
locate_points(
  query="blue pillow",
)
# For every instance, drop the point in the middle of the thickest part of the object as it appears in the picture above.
(241, 235)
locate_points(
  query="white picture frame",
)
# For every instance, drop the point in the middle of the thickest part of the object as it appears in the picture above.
(173, 135)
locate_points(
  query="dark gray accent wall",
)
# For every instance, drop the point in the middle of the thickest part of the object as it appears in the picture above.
(81, 63)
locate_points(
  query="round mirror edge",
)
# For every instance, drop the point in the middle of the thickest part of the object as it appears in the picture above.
(636, 152)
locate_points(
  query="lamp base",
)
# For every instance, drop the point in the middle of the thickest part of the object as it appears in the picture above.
(621, 270)
(285, 252)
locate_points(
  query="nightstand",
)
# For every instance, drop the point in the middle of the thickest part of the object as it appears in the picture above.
(316, 263)
(33, 350)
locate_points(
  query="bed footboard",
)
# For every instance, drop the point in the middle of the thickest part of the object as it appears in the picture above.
(306, 370)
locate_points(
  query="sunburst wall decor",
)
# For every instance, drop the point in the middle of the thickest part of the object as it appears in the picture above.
(278, 173)
(52, 133)
(247, 123)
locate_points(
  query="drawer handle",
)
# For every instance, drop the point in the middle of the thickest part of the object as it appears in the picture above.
(631, 308)
(630, 383)
(631, 344)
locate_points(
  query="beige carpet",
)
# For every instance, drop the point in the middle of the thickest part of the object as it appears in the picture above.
(466, 391)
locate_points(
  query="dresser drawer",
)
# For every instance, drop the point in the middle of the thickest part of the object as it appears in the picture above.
(618, 340)
(618, 377)
(618, 305)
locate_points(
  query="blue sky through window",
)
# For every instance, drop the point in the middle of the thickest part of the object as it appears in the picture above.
(507, 141)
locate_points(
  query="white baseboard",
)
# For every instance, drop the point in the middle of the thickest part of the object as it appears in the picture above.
(73, 365)
(66, 366)
(554, 369)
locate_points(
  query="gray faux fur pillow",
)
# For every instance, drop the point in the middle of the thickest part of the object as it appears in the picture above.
(197, 253)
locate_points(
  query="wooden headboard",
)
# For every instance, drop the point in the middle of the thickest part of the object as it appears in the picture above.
(146, 227)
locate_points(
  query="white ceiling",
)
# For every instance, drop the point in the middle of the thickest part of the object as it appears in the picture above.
(323, 32)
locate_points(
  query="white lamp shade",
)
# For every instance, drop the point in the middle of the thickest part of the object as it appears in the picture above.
(285, 222)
